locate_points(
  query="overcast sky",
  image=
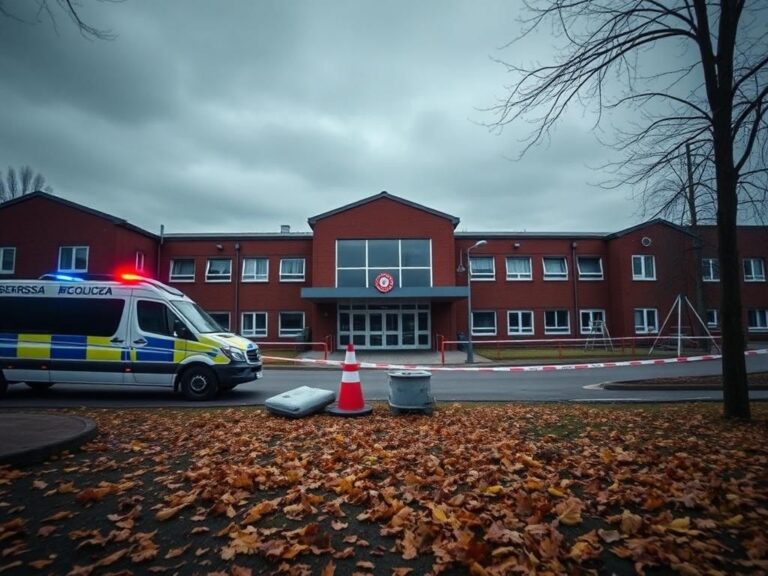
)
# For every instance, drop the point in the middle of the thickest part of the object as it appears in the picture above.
(240, 116)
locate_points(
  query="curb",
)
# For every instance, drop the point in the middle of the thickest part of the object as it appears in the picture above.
(672, 387)
(44, 450)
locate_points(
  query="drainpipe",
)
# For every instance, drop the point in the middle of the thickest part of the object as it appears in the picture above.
(237, 288)
(577, 317)
(160, 251)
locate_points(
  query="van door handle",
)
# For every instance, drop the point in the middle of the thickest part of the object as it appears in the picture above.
(116, 340)
(140, 341)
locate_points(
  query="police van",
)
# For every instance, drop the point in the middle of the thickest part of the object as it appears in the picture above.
(126, 331)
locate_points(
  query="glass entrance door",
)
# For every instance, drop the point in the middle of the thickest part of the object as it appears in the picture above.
(379, 327)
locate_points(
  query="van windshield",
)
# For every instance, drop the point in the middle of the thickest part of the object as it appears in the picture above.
(198, 317)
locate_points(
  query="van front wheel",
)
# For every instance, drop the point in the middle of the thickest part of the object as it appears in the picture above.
(199, 383)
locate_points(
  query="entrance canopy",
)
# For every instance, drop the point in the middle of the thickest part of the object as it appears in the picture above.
(434, 293)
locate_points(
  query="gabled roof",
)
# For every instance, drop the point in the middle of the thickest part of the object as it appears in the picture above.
(44, 195)
(454, 220)
(642, 225)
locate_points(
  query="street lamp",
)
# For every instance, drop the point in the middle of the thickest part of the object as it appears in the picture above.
(470, 352)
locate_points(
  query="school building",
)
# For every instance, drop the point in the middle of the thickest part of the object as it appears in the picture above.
(388, 273)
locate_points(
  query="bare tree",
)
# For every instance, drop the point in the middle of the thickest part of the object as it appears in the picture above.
(26, 181)
(708, 85)
(35, 11)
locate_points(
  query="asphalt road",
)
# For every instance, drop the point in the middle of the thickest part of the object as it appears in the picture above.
(581, 385)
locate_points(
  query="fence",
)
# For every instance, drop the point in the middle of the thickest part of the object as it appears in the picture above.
(299, 345)
(566, 347)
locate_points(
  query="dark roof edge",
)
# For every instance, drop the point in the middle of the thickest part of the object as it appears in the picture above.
(384, 194)
(642, 225)
(74, 205)
(239, 236)
(513, 235)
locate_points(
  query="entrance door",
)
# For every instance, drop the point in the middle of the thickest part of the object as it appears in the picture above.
(378, 327)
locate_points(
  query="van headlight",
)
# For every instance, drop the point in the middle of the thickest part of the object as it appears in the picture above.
(234, 354)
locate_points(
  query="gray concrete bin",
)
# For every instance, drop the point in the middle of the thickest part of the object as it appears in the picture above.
(410, 390)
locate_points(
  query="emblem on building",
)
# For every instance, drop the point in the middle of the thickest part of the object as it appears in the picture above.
(384, 282)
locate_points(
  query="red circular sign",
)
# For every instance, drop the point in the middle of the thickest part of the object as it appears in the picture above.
(384, 282)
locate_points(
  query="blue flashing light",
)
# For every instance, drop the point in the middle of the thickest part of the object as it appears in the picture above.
(66, 278)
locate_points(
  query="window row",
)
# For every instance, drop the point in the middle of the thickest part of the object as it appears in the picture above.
(72, 259)
(521, 322)
(254, 324)
(754, 269)
(253, 270)
(520, 268)
(557, 322)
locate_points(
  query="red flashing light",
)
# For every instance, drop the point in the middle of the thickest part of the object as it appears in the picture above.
(128, 277)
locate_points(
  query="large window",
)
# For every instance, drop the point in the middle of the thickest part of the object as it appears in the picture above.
(358, 262)
(292, 270)
(710, 270)
(754, 270)
(519, 268)
(254, 324)
(60, 316)
(482, 268)
(643, 268)
(291, 324)
(255, 269)
(757, 320)
(590, 267)
(7, 260)
(519, 322)
(592, 321)
(483, 323)
(555, 268)
(182, 270)
(218, 270)
(646, 321)
(73, 259)
(557, 322)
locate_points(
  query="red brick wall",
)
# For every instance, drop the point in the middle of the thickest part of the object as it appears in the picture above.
(38, 226)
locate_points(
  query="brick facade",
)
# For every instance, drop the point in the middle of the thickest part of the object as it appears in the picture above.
(36, 227)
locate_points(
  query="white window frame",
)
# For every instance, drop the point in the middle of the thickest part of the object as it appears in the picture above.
(3, 250)
(184, 277)
(554, 276)
(482, 276)
(519, 276)
(484, 331)
(644, 328)
(710, 270)
(760, 318)
(715, 315)
(229, 319)
(754, 276)
(588, 329)
(590, 276)
(253, 333)
(293, 277)
(217, 277)
(521, 331)
(73, 250)
(292, 333)
(253, 277)
(643, 276)
(557, 329)
(139, 265)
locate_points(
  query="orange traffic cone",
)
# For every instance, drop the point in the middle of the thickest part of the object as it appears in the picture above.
(351, 401)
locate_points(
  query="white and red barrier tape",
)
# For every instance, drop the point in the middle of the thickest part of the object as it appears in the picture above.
(539, 368)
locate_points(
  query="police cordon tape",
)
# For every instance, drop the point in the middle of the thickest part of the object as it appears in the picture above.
(538, 368)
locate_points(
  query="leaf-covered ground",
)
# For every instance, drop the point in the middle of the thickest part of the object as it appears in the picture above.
(481, 489)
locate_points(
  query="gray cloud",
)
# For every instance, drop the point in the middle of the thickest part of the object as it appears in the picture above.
(242, 116)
